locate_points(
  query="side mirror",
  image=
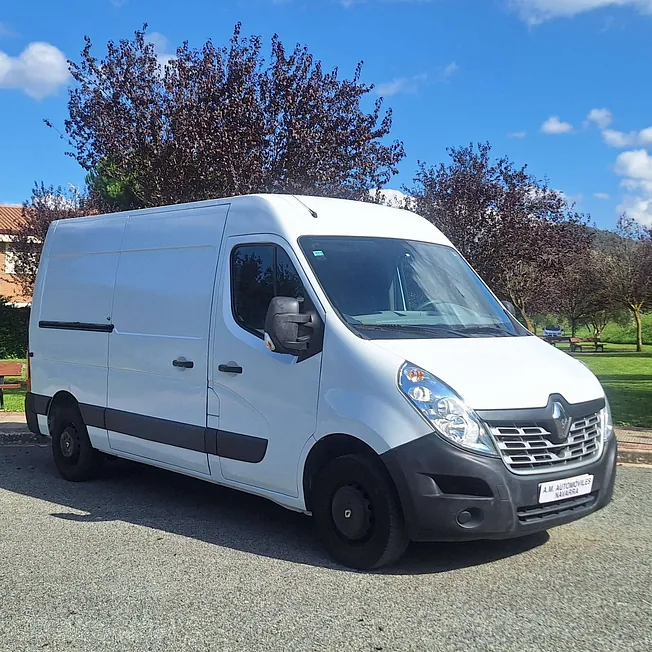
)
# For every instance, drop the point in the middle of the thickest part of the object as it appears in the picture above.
(509, 306)
(287, 330)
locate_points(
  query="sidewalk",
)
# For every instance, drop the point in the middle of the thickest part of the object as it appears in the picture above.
(634, 444)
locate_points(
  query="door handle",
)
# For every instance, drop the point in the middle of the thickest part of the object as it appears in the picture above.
(183, 363)
(229, 369)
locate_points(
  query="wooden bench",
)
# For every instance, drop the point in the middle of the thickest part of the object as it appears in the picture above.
(575, 344)
(9, 369)
(597, 345)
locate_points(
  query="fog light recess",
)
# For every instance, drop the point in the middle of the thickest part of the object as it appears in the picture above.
(470, 518)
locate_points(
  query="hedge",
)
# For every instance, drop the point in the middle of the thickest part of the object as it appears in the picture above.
(14, 323)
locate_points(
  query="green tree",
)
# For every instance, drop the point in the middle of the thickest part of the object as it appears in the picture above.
(222, 121)
(512, 228)
(627, 270)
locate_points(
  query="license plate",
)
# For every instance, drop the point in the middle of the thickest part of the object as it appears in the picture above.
(578, 485)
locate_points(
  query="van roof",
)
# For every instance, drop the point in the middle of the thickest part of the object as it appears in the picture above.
(295, 215)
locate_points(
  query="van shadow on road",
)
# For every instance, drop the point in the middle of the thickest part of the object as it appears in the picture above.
(177, 504)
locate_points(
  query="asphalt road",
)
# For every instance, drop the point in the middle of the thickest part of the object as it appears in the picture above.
(148, 560)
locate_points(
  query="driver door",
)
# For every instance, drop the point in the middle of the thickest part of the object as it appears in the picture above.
(268, 401)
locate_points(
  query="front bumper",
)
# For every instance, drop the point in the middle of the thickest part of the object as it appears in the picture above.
(449, 494)
(31, 412)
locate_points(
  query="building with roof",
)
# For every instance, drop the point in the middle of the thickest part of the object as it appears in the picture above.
(10, 289)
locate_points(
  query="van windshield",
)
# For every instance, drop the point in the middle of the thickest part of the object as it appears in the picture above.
(386, 288)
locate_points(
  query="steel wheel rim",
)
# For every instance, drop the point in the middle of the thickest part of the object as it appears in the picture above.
(353, 513)
(69, 444)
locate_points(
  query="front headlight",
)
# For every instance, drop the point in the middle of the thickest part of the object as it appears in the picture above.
(606, 422)
(444, 409)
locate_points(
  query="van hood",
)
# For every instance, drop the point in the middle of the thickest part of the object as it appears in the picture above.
(500, 373)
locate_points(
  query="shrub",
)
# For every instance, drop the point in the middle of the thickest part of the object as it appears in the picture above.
(14, 323)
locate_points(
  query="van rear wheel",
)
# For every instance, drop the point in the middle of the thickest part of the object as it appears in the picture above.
(75, 458)
(358, 514)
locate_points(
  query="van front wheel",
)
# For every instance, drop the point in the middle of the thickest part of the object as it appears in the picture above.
(75, 458)
(358, 514)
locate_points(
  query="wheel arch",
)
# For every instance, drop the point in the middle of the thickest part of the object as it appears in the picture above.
(329, 448)
(63, 398)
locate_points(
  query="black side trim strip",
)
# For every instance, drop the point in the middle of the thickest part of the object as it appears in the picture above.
(210, 441)
(76, 326)
(244, 448)
(93, 415)
(231, 445)
(161, 431)
(575, 410)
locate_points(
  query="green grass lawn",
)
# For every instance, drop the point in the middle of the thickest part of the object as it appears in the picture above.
(622, 334)
(15, 398)
(627, 379)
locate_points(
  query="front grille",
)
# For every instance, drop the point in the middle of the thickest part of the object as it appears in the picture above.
(526, 448)
(552, 510)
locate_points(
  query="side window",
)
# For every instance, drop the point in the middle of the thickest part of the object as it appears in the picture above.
(260, 272)
(288, 283)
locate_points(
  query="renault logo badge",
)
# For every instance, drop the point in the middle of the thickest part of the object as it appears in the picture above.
(562, 423)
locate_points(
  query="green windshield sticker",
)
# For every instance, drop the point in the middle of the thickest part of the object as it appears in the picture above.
(318, 253)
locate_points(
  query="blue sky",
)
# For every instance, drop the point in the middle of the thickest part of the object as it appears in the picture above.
(562, 85)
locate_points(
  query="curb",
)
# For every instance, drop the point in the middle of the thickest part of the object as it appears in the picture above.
(631, 455)
(22, 438)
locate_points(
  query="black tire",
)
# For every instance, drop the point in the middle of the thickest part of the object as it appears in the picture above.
(358, 514)
(75, 458)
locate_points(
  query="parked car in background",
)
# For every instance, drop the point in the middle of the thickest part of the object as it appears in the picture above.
(553, 331)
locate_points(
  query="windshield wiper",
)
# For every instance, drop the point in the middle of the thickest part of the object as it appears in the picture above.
(489, 330)
(430, 330)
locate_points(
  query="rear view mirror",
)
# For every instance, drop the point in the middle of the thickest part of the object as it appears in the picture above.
(509, 306)
(287, 330)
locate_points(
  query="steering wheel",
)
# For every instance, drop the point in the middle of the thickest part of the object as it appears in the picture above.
(432, 303)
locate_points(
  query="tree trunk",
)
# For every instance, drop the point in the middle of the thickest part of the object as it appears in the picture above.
(528, 321)
(639, 328)
(573, 327)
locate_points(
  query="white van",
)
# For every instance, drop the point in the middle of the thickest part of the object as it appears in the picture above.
(339, 358)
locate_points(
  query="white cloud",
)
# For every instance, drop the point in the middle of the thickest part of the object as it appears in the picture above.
(535, 12)
(637, 185)
(622, 139)
(639, 207)
(450, 70)
(393, 198)
(618, 138)
(553, 125)
(39, 70)
(571, 200)
(635, 164)
(398, 85)
(158, 40)
(601, 117)
(161, 44)
(518, 134)
(636, 167)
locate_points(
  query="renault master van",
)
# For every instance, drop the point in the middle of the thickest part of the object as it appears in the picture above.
(338, 358)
